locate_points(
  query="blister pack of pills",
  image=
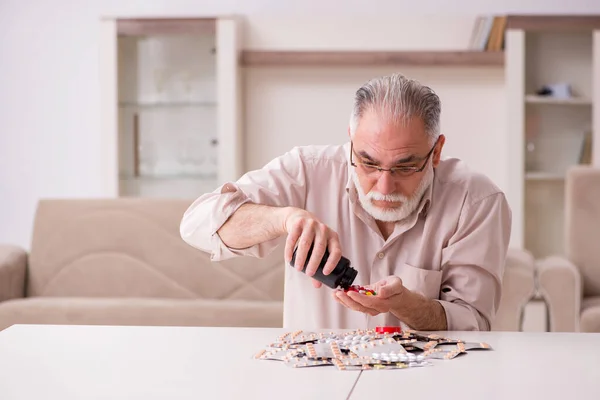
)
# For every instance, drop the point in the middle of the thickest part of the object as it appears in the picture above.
(358, 338)
(388, 362)
(433, 337)
(441, 354)
(476, 346)
(305, 362)
(387, 345)
(322, 351)
(445, 351)
(382, 348)
(278, 354)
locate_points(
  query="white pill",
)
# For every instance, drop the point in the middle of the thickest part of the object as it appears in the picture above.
(348, 338)
(355, 342)
(366, 337)
(411, 357)
(394, 358)
(402, 357)
(420, 357)
(375, 355)
(384, 355)
(393, 353)
(357, 337)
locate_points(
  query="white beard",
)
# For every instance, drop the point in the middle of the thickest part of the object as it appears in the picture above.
(392, 214)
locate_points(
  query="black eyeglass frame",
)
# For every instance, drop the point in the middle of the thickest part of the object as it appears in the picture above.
(406, 171)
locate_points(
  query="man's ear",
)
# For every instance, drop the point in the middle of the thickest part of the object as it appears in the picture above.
(437, 153)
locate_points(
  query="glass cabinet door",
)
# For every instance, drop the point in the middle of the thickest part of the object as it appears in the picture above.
(167, 111)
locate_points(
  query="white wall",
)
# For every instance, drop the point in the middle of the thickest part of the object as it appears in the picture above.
(49, 97)
(296, 106)
(299, 106)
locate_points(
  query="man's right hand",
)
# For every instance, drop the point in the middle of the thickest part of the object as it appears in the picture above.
(303, 228)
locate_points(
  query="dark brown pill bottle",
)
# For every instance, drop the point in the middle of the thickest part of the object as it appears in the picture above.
(342, 275)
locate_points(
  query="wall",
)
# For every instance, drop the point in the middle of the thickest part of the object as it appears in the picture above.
(295, 106)
(49, 102)
(299, 106)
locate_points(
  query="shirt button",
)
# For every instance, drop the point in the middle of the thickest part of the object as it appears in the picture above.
(380, 255)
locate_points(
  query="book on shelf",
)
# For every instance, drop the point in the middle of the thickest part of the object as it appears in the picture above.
(488, 33)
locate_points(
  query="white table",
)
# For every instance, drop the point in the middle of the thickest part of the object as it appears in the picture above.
(522, 365)
(98, 362)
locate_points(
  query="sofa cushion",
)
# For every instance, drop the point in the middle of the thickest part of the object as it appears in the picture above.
(131, 247)
(136, 311)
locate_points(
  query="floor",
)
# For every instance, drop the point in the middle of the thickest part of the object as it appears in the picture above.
(535, 317)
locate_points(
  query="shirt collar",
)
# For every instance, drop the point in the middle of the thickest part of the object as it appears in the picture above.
(349, 182)
(427, 198)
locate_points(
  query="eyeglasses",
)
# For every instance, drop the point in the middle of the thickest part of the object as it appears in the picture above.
(395, 171)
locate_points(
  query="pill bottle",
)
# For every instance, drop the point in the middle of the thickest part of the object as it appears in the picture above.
(342, 275)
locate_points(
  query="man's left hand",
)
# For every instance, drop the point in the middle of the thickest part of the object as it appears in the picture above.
(389, 293)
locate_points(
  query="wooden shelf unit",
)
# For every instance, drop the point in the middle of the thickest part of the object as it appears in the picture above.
(171, 105)
(261, 58)
(543, 176)
(547, 135)
(553, 23)
(165, 26)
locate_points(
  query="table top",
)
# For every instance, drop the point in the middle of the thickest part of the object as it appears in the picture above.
(124, 362)
(521, 365)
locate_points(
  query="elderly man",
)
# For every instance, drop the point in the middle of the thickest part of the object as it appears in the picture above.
(430, 236)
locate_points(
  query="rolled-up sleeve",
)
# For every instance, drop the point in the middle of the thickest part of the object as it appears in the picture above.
(473, 264)
(280, 183)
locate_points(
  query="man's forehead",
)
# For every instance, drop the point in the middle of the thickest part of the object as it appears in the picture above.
(390, 141)
(377, 127)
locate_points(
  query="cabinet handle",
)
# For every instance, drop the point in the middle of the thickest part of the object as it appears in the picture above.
(136, 145)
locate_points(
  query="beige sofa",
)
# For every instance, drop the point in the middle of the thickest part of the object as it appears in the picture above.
(122, 262)
(570, 283)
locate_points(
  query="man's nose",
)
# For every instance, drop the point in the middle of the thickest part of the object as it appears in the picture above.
(385, 183)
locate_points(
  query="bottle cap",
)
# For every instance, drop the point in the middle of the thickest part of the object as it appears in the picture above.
(388, 329)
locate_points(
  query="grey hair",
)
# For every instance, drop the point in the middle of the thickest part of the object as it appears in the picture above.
(398, 98)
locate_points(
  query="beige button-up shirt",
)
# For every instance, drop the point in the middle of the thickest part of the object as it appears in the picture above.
(451, 249)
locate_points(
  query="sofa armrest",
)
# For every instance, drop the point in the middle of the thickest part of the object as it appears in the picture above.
(559, 283)
(518, 287)
(13, 268)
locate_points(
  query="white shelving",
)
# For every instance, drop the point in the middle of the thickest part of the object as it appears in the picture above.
(575, 101)
(171, 93)
(543, 176)
(164, 104)
(547, 134)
